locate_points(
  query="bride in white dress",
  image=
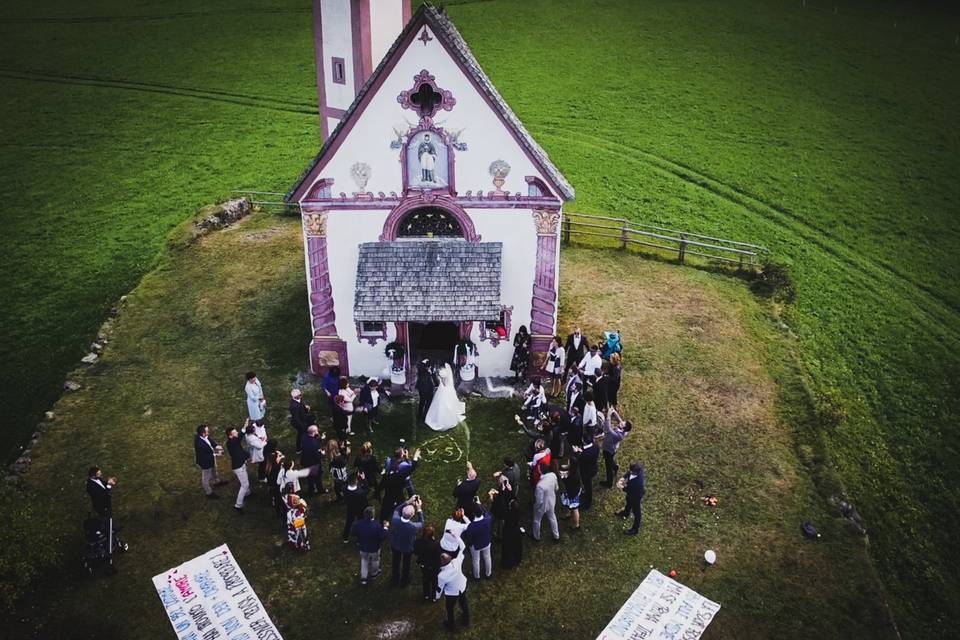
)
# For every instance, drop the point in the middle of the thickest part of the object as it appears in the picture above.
(446, 411)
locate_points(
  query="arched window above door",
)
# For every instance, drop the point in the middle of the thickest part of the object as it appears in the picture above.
(429, 222)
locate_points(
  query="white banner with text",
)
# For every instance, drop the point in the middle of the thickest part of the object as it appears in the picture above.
(661, 607)
(209, 598)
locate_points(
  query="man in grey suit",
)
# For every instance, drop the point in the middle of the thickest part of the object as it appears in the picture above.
(545, 502)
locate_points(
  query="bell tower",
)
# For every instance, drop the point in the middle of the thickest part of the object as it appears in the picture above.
(350, 37)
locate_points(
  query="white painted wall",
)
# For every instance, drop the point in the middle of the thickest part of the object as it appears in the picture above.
(386, 23)
(487, 138)
(337, 35)
(346, 230)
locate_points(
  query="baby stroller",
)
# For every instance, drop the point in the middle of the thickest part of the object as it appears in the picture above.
(611, 344)
(99, 537)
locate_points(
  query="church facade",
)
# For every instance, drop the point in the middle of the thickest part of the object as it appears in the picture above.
(430, 215)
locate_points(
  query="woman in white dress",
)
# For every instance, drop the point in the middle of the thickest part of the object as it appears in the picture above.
(446, 411)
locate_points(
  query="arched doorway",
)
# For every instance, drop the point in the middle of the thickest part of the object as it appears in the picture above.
(433, 340)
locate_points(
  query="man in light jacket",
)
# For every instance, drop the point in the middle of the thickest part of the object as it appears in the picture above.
(545, 502)
(451, 583)
(256, 404)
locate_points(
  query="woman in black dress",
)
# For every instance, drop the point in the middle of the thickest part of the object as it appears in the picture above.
(614, 375)
(368, 464)
(572, 488)
(511, 551)
(521, 354)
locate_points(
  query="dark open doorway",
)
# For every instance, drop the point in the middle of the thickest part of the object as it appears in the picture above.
(433, 340)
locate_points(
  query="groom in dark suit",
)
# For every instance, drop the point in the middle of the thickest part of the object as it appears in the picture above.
(426, 386)
(576, 348)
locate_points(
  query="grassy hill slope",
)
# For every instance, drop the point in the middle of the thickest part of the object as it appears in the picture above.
(830, 137)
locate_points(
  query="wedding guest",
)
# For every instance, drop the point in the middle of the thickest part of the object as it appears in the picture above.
(588, 461)
(289, 476)
(331, 387)
(590, 419)
(511, 470)
(367, 464)
(453, 585)
(427, 550)
(345, 397)
(297, 523)
(256, 404)
(545, 501)
(370, 402)
(590, 364)
(500, 501)
(511, 546)
(311, 458)
(355, 496)
(205, 449)
(238, 462)
(572, 490)
(300, 416)
(274, 467)
(634, 485)
(556, 366)
(534, 398)
(466, 490)
(521, 354)
(407, 521)
(369, 535)
(575, 398)
(256, 437)
(478, 538)
(576, 348)
(613, 435)
(615, 377)
(601, 391)
(338, 457)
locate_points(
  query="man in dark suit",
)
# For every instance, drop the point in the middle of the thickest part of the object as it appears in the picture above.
(99, 491)
(576, 348)
(635, 487)
(205, 448)
(426, 385)
(300, 417)
(589, 459)
(311, 457)
(576, 400)
(601, 393)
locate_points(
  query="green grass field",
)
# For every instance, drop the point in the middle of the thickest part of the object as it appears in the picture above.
(710, 381)
(828, 136)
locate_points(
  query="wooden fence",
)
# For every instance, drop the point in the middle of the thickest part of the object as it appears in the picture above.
(683, 243)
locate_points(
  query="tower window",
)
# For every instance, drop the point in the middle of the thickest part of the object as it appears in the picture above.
(339, 71)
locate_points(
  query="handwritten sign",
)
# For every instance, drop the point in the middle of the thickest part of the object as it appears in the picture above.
(661, 608)
(209, 598)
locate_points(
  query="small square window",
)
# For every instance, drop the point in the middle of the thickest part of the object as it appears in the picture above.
(372, 327)
(491, 325)
(339, 71)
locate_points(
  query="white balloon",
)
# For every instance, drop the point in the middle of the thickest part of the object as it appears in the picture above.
(710, 556)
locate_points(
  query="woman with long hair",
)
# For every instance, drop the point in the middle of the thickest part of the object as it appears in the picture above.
(345, 398)
(556, 364)
(614, 376)
(521, 354)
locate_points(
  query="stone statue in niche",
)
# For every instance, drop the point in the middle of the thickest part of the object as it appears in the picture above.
(427, 161)
(428, 158)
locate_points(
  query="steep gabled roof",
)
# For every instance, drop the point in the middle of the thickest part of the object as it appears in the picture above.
(451, 39)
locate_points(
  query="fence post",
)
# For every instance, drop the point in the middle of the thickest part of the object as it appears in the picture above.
(566, 229)
(683, 247)
(623, 235)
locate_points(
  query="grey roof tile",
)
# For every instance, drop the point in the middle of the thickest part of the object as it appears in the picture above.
(428, 280)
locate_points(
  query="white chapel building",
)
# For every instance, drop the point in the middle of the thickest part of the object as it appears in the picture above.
(430, 214)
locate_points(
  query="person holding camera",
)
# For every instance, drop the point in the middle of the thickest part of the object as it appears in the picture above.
(238, 463)
(466, 490)
(100, 492)
(407, 521)
(205, 450)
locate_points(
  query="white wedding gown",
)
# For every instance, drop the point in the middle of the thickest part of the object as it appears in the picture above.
(446, 411)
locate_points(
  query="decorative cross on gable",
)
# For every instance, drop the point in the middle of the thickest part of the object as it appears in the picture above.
(425, 97)
(425, 37)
